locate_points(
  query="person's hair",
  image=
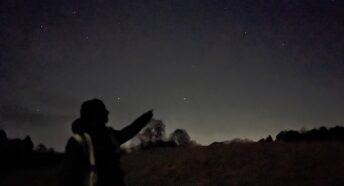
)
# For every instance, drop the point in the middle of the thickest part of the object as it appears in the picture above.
(90, 109)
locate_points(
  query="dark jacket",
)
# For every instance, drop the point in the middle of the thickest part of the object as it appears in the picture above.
(107, 153)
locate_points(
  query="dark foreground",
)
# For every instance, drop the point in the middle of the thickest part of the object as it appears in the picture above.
(303, 163)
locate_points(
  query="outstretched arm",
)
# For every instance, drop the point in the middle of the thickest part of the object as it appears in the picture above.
(131, 130)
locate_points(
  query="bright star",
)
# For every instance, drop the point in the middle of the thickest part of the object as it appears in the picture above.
(118, 99)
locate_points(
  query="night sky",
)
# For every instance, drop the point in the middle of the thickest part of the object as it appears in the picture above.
(220, 69)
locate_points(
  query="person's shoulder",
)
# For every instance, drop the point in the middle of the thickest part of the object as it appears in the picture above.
(74, 150)
(72, 140)
(72, 143)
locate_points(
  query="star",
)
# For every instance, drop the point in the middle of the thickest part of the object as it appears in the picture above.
(283, 43)
(42, 28)
(185, 99)
(118, 99)
(244, 34)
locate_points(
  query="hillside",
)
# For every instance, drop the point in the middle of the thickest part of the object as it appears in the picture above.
(311, 163)
(279, 163)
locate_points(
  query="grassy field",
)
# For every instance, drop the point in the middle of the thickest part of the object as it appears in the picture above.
(251, 164)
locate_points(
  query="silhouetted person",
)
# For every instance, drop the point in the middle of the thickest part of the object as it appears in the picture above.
(93, 153)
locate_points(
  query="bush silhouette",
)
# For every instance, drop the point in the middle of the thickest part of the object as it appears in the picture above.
(320, 134)
(180, 137)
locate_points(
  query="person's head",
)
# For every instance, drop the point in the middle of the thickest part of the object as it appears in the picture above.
(94, 113)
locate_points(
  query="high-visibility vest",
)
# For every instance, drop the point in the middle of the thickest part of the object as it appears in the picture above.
(85, 140)
(91, 177)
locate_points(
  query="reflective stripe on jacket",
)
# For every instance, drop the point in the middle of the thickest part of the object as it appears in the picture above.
(91, 175)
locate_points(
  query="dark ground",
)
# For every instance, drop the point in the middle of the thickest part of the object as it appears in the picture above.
(279, 163)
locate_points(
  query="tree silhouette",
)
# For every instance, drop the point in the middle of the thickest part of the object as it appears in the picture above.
(155, 131)
(180, 137)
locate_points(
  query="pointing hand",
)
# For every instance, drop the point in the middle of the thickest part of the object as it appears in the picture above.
(146, 117)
